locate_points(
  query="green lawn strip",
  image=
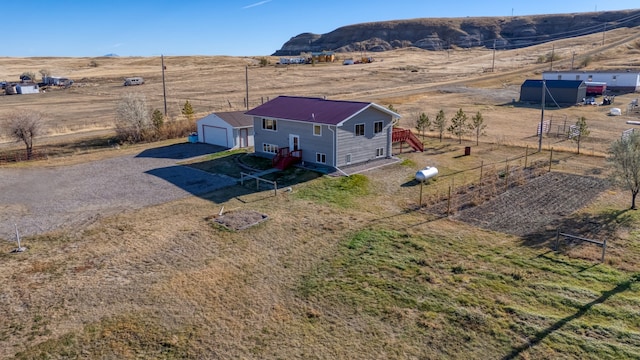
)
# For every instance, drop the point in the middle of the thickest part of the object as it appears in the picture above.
(340, 191)
(502, 299)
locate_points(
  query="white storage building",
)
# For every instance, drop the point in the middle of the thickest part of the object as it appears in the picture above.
(231, 129)
(617, 81)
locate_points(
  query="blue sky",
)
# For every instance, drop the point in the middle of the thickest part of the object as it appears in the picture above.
(87, 28)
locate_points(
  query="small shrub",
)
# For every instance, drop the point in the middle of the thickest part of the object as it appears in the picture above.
(586, 61)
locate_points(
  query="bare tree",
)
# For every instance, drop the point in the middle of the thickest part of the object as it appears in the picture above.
(624, 160)
(24, 126)
(132, 118)
(45, 74)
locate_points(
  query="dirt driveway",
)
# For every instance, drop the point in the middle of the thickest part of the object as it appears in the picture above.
(43, 199)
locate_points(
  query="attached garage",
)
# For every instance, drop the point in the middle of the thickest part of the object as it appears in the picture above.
(231, 129)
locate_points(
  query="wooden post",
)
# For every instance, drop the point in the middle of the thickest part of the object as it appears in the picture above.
(526, 156)
(449, 202)
(604, 249)
(506, 174)
(481, 167)
(557, 238)
(421, 185)
(275, 188)
(550, 159)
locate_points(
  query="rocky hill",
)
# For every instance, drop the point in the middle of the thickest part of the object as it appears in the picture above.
(443, 33)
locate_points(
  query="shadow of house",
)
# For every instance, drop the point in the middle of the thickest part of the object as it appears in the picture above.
(191, 180)
(181, 151)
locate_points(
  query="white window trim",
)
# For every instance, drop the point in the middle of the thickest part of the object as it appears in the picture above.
(319, 157)
(314, 129)
(347, 159)
(269, 148)
(355, 129)
(379, 152)
(381, 127)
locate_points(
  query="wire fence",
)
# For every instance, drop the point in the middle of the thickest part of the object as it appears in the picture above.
(475, 185)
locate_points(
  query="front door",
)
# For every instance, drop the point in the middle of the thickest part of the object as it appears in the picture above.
(294, 142)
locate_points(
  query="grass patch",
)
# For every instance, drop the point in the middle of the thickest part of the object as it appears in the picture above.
(467, 301)
(340, 191)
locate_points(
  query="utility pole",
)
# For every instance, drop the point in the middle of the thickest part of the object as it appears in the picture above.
(246, 80)
(544, 93)
(493, 62)
(164, 89)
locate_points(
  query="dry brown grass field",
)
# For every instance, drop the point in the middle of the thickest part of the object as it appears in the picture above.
(345, 268)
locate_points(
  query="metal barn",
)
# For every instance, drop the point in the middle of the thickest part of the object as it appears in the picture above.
(559, 91)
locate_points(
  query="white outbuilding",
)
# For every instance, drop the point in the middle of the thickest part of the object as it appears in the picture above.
(231, 129)
(624, 81)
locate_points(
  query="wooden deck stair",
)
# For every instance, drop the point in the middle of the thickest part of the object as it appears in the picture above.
(285, 158)
(405, 135)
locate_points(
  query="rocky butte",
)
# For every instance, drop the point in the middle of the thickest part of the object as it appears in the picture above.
(443, 33)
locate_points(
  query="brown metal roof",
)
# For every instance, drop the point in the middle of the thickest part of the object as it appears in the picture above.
(236, 119)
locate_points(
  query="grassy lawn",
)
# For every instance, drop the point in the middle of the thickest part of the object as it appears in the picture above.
(343, 268)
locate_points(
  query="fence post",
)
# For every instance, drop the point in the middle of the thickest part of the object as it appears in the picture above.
(526, 156)
(506, 174)
(604, 250)
(550, 159)
(275, 188)
(557, 238)
(449, 202)
(481, 167)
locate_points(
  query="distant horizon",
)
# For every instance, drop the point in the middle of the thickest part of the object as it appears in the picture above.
(244, 28)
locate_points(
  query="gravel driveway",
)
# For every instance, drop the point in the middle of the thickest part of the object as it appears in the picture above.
(43, 199)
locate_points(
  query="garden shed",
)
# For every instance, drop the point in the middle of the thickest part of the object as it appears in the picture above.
(231, 129)
(559, 91)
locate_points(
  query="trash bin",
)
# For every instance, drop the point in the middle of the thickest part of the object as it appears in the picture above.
(467, 150)
(193, 139)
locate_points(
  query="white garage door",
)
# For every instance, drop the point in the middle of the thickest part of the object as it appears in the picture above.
(215, 135)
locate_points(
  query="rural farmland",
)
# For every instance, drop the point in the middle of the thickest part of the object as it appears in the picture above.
(370, 266)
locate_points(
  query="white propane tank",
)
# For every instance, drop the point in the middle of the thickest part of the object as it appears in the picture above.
(426, 173)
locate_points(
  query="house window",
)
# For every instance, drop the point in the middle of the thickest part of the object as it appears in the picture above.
(615, 77)
(317, 130)
(559, 77)
(577, 77)
(321, 158)
(269, 124)
(379, 152)
(590, 78)
(347, 159)
(377, 127)
(270, 148)
(359, 129)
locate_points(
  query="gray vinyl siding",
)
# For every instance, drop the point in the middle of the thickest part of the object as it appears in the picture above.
(362, 148)
(309, 143)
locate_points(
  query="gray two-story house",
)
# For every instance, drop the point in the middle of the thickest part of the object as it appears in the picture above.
(329, 133)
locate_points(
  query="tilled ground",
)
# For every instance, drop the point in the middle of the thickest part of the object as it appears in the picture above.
(539, 203)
